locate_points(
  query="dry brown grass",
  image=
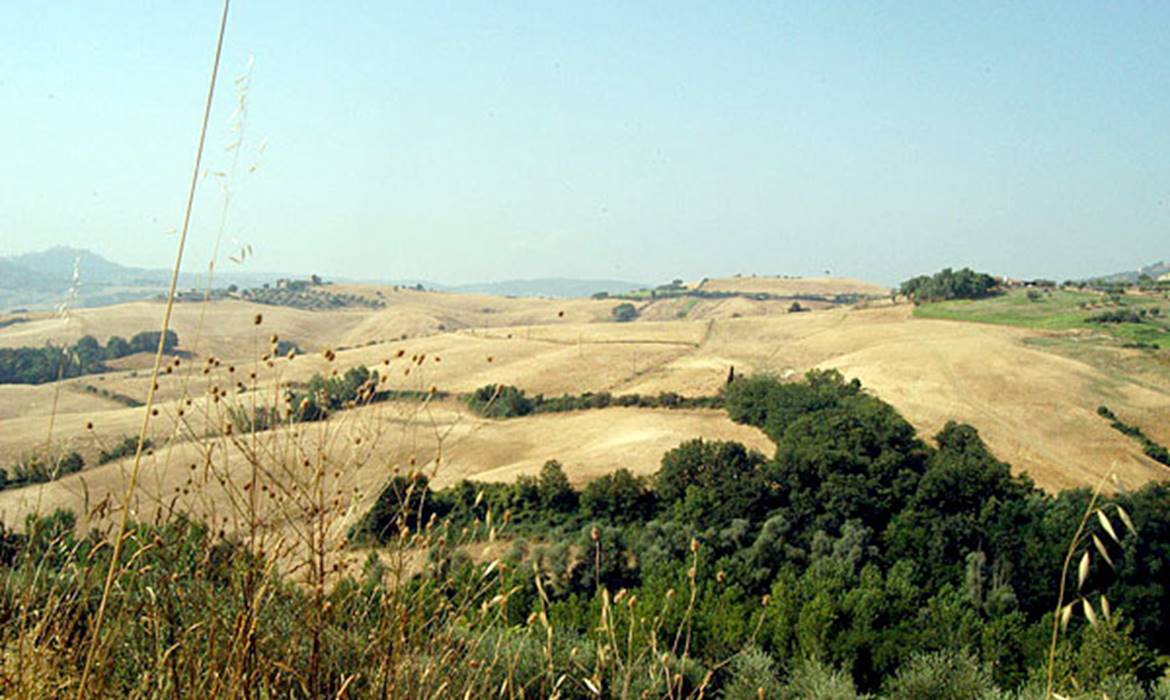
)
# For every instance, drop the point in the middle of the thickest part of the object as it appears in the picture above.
(1035, 408)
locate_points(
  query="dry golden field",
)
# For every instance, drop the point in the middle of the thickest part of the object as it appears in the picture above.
(1036, 409)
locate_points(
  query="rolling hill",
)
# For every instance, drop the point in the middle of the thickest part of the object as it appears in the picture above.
(1033, 403)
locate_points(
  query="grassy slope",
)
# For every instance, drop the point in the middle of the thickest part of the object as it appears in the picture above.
(1060, 310)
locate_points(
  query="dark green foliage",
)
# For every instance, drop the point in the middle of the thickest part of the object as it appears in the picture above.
(713, 483)
(1119, 316)
(532, 504)
(321, 395)
(619, 497)
(554, 490)
(958, 503)
(503, 401)
(126, 448)
(86, 356)
(403, 503)
(147, 341)
(949, 284)
(770, 405)
(116, 347)
(625, 312)
(285, 346)
(853, 459)
(500, 401)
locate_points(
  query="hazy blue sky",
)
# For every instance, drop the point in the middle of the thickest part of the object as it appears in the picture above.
(481, 141)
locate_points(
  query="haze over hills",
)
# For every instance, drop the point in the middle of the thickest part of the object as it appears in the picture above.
(1156, 270)
(45, 279)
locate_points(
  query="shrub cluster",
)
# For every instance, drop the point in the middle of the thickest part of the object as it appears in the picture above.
(949, 284)
(128, 446)
(1124, 315)
(86, 356)
(506, 401)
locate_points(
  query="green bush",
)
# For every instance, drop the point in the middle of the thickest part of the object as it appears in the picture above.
(624, 312)
(500, 401)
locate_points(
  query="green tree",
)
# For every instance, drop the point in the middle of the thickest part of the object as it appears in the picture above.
(619, 497)
(625, 312)
(116, 347)
(556, 494)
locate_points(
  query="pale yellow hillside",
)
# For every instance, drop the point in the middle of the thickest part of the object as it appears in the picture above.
(363, 447)
(1035, 408)
(793, 286)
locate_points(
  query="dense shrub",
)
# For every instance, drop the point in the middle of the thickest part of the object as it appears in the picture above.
(625, 312)
(500, 401)
(1119, 316)
(127, 447)
(949, 284)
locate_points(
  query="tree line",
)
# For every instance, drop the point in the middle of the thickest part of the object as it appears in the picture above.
(86, 356)
(506, 401)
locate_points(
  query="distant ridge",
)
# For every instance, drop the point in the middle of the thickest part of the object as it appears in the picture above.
(1155, 270)
(558, 287)
(43, 280)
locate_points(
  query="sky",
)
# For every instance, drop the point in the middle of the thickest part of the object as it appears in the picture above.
(643, 141)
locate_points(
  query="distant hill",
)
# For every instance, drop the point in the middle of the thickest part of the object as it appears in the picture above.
(57, 264)
(43, 280)
(15, 276)
(557, 287)
(1156, 270)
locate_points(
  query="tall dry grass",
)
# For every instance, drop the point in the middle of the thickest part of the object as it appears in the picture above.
(239, 581)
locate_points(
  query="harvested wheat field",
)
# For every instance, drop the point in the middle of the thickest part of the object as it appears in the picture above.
(1036, 409)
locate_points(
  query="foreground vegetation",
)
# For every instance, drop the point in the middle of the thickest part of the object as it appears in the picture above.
(878, 556)
(858, 559)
